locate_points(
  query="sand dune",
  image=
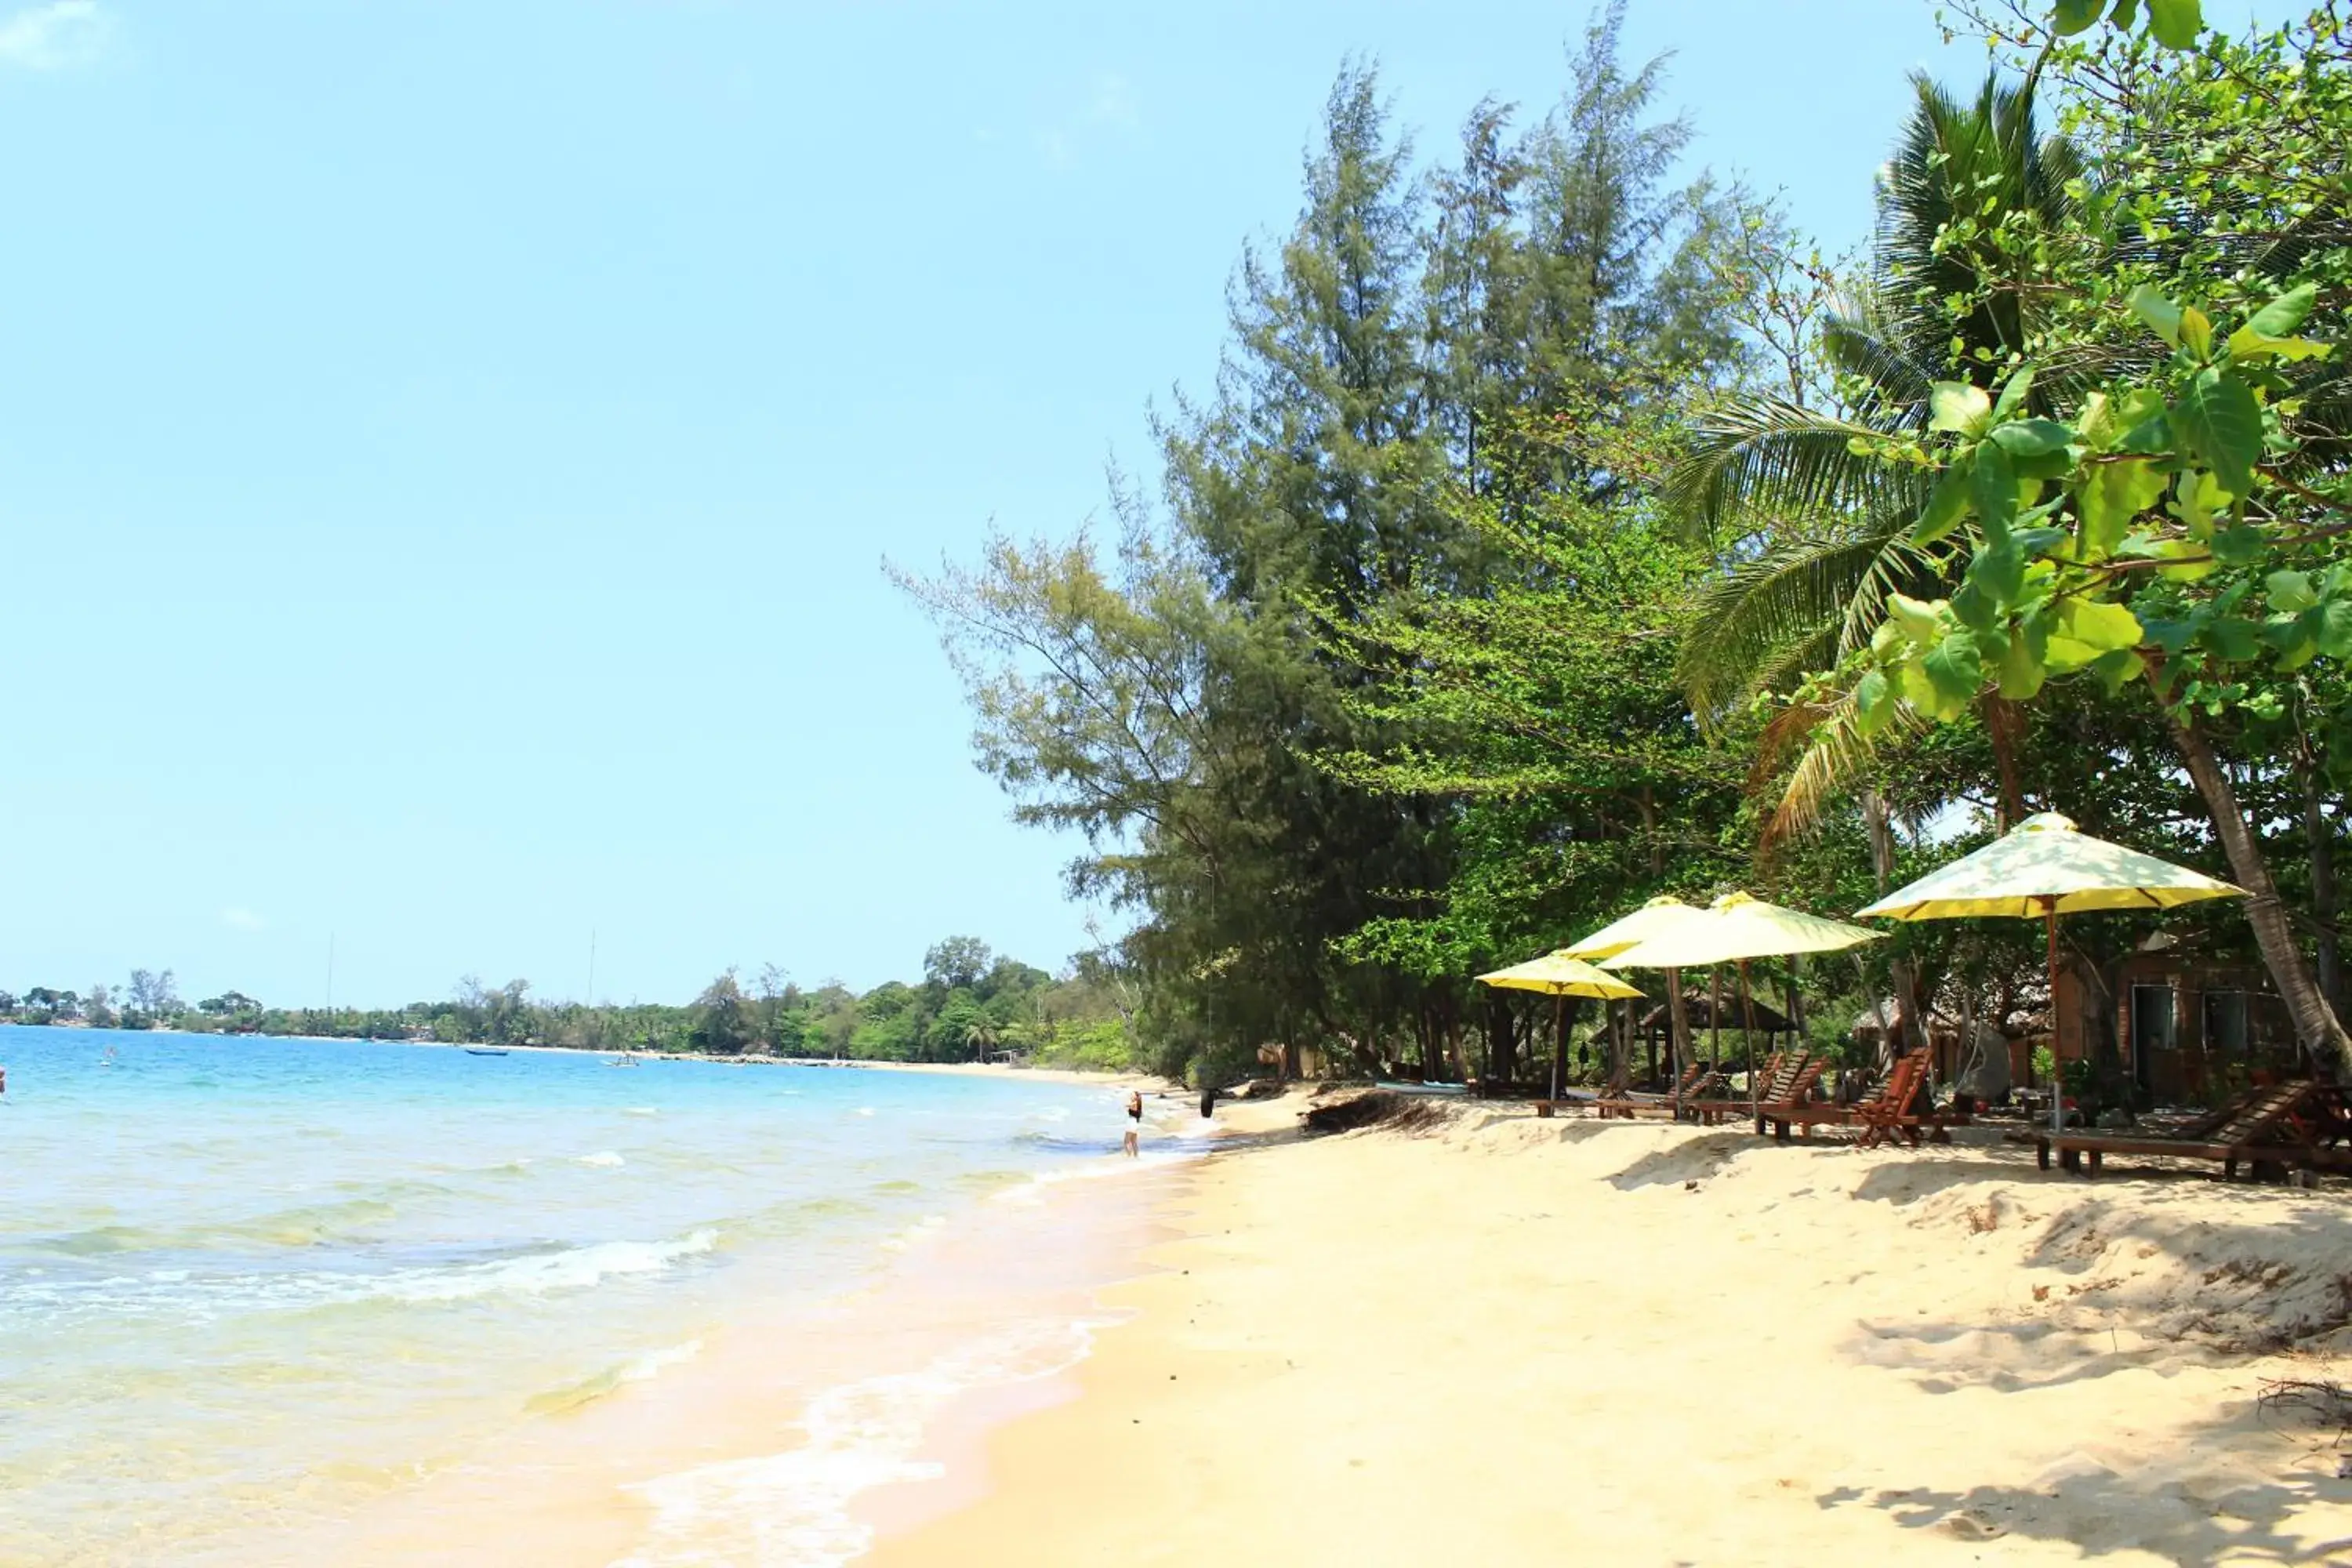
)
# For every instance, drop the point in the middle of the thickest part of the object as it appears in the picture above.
(1513, 1341)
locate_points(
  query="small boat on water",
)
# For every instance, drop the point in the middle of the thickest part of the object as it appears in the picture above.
(484, 1051)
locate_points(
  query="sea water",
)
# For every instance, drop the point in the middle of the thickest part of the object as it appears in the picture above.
(249, 1286)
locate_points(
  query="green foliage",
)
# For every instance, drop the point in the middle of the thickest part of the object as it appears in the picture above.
(999, 1008)
(2176, 530)
(1196, 702)
(1547, 521)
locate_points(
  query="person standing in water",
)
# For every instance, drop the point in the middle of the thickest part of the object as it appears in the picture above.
(1134, 1120)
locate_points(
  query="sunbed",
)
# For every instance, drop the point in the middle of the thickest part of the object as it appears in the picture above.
(1785, 1097)
(1769, 1080)
(1884, 1112)
(1697, 1079)
(2297, 1124)
(1888, 1114)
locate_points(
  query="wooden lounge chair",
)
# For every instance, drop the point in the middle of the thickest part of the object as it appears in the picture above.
(1888, 1107)
(1786, 1098)
(1723, 1103)
(1697, 1079)
(1588, 1099)
(1888, 1113)
(2290, 1125)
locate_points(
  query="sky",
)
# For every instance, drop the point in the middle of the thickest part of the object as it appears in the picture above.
(448, 451)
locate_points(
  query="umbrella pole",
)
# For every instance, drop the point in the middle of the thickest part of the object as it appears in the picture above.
(1677, 1033)
(1558, 1039)
(1747, 1033)
(1714, 1018)
(2057, 1077)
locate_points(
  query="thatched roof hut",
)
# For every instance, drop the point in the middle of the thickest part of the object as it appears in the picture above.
(1699, 1007)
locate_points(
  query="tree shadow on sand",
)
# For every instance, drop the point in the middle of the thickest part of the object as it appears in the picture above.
(2100, 1513)
(1691, 1160)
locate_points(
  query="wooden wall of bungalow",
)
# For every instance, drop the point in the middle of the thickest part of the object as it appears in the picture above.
(2184, 1029)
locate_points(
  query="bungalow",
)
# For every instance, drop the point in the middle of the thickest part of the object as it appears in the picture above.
(2185, 1029)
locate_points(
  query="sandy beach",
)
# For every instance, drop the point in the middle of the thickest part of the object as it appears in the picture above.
(1506, 1341)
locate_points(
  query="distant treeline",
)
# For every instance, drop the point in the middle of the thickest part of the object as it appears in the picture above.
(969, 1004)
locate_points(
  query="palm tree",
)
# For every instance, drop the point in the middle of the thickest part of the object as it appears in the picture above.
(1818, 535)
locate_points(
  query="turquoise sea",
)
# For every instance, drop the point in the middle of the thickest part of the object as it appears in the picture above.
(251, 1288)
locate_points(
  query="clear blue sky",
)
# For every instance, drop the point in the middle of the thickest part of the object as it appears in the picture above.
(447, 450)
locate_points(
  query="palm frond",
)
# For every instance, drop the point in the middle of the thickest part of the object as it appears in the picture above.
(1878, 347)
(1745, 619)
(1758, 455)
(1899, 567)
(1836, 754)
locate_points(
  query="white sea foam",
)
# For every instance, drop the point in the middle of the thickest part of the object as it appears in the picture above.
(922, 1229)
(604, 1158)
(791, 1509)
(1110, 1167)
(640, 1110)
(652, 1364)
(203, 1297)
(539, 1273)
(642, 1369)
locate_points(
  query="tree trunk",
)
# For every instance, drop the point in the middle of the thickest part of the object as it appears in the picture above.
(2004, 725)
(1878, 820)
(1678, 1021)
(2319, 835)
(2101, 1021)
(1567, 1015)
(1500, 1022)
(2316, 1028)
(1715, 1019)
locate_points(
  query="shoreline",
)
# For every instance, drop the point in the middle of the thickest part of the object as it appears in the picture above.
(1106, 1078)
(1514, 1341)
(788, 1428)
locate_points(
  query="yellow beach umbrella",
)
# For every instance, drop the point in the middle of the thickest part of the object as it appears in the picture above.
(2042, 869)
(1656, 918)
(1734, 928)
(1559, 974)
(1560, 977)
(1738, 927)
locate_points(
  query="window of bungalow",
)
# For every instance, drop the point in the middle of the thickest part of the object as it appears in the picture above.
(2225, 1023)
(2152, 1025)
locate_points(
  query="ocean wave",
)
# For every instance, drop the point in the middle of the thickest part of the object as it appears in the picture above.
(603, 1158)
(1059, 1143)
(639, 1369)
(203, 1295)
(572, 1268)
(923, 1229)
(308, 1225)
(791, 1509)
(1042, 1182)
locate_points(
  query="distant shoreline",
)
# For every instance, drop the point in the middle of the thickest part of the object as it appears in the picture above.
(1083, 1076)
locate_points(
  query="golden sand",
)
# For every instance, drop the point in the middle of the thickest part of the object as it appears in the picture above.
(1513, 1340)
